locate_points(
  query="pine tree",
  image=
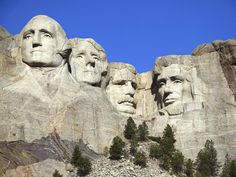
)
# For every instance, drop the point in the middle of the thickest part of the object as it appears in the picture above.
(130, 128)
(229, 168)
(165, 162)
(84, 167)
(140, 159)
(76, 156)
(177, 162)
(154, 151)
(206, 162)
(143, 132)
(117, 148)
(56, 174)
(189, 168)
(82, 164)
(225, 170)
(133, 145)
(167, 141)
(232, 168)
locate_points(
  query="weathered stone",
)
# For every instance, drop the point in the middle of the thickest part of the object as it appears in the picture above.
(145, 95)
(44, 168)
(88, 61)
(121, 86)
(204, 114)
(55, 93)
(4, 33)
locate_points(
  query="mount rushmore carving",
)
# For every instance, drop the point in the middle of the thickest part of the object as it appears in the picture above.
(51, 84)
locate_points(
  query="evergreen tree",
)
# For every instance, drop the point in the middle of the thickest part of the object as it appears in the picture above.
(56, 174)
(117, 148)
(206, 162)
(232, 168)
(84, 166)
(143, 132)
(165, 162)
(167, 141)
(189, 168)
(133, 145)
(130, 128)
(76, 156)
(154, 151)
(140, 159)
(229, 168)
(177, 162)
(225, 170)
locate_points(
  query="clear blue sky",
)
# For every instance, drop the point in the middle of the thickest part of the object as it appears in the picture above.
(132, 31)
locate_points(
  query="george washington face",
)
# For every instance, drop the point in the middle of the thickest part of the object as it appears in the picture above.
(42, 39)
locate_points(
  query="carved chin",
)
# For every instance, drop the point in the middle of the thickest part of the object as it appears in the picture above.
(42, 59)
(126, 109)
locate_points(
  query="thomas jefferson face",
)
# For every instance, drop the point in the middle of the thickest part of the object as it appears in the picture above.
(171, 84)
(121, 90)
(86, 63)
(41, 42)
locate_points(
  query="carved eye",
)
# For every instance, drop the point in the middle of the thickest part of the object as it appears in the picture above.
(95, 57)
(120, 83)
(27, 36)
(80, 55)
(47, 35)
(162, 83)
(134, 85)
(178, 81)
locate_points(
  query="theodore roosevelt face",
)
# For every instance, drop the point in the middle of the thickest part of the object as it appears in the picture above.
(121, 90)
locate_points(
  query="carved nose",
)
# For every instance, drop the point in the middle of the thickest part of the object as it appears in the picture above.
(129, 89)
(37, 41)
(168, 87)
(90, 61)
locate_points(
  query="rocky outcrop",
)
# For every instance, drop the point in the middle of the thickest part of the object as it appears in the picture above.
(206, 109)
(227, 51)
(56, 93)
(4, 33)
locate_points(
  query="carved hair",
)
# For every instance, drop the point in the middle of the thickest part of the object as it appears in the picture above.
(187, 66)
(74, 43)
(60, 33)
(114, 67)
(63, 50)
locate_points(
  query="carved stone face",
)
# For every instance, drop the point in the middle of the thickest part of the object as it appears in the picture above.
(121, 90)
(41, 42)
(86, 63)
(171, 85)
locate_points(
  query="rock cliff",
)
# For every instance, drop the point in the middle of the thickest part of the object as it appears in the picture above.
(54, 97)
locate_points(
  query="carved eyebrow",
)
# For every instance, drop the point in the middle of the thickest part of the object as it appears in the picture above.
(28, 32)
(176, 78)
(120, 82)
(46, 31)
(93, 53)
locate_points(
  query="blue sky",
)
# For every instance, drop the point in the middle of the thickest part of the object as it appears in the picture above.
(132, 31)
